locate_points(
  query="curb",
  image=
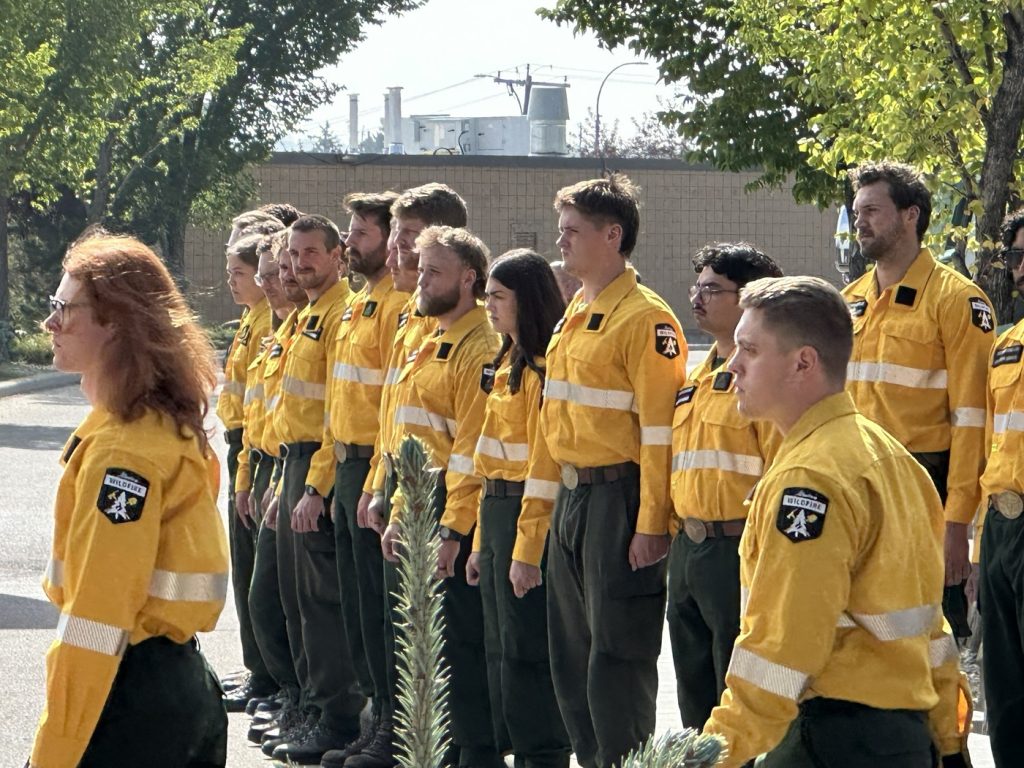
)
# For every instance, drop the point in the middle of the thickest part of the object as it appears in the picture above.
(38, 382)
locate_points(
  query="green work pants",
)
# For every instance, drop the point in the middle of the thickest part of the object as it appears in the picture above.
(604, 621)
(703, 620)
(164, 710)
(268, 620)
(333, 689)
(361, 578)
(1002, 621)
(516, 638)
(243, 554)
(829, 733)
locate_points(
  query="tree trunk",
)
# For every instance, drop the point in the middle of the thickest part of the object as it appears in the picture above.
(173, 242)
(101, 195)
(5, 282)
(1003, 130)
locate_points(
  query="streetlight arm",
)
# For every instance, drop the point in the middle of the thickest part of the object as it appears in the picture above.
(597, 108)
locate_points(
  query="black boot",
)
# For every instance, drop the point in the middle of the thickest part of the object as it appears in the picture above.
(336, 757)
(380, 752)
(309, 751)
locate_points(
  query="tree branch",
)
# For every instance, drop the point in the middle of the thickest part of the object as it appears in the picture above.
(956, 53)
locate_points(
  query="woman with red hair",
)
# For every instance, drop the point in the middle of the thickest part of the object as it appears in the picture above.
(139, 559)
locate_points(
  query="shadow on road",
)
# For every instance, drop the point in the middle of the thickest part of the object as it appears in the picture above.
(27, 613)
(33, 437)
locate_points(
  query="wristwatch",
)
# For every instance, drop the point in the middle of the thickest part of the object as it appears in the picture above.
(447, 534)
(311, 491)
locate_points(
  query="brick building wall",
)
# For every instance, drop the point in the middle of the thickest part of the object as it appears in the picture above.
(509, 198)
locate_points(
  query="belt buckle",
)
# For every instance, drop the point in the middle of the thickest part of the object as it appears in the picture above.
(1009, 504)
(389, 464)
(695, 530)
(340, 452)
(570, 477)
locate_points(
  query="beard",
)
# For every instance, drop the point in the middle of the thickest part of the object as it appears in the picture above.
(435, 306)
(367, 264)
(879, 245)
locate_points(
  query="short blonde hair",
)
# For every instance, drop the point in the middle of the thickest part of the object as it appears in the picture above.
(470, 249)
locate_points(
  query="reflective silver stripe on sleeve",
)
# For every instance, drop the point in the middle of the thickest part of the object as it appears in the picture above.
(255, 392)
(55, 572)
(272, 402)
(540, 489)
(968, 417)
(392, 377)
(767, 675)
(895, 625)
(91, 635)
(310, 389)
(1013, 421)
(614, 399)
(359, 374)
(655, 435)
(460, 463)
(235, 388)
(890, 373)
(744, 599)
(499, 449)
(189, 587)
(730, 462)
(943, 650)
(410, 414)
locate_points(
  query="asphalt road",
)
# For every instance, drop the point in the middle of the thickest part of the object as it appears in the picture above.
(33, 429)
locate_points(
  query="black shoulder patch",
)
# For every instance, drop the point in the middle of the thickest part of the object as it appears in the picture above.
(487, 378)
(122, 495)
(444, 350)
(685, 395)
(801, 515)
(72, 444)
(723, 381)
(906, 295)
(594, 323)
(346, 315)
(666, 343)
(1007, 355)
(558, 326)
(244, 335)
(981, 314)
(369, 309)
(858, 308)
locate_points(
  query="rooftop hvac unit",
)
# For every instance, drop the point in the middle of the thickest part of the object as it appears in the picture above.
(548, 114)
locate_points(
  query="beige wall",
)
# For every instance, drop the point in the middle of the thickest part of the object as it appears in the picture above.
(509, 198)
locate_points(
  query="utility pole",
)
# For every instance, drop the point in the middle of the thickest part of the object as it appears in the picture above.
(527, 84)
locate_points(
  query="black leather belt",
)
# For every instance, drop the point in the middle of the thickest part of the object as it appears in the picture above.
(698, 530)
(233, 435)
(499, 487)
(574, 476)
(345, 451)
(298, 450)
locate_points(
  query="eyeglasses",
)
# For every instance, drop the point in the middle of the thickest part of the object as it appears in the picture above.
(262, 278)
(1012, 257)
(59, 308)
(708, 292)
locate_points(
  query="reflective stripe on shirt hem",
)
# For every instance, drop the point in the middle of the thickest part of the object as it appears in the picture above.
(359, 374)
(767, 675)
(942, 651)
(890, 373)
(968, 417)
(167, 585)
(392, 377)
(1014, 420)
(311, 389)
(540, 489)
(410, 414)
(235, 388)
(254, 392)
(499, 449)
(731, 462)
(461, 464)
(614, 399)
(91, 635)
(655, 435)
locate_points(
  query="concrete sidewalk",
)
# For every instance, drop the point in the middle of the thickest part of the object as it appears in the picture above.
(38, 382)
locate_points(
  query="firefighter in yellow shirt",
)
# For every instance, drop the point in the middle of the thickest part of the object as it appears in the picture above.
(922, 337)
(441, 400)
(415, 210)
(1001, 602)
(307, 570)
(523, 303)
(614, 365)
(718, 454)
(841, 656)
(140, 557)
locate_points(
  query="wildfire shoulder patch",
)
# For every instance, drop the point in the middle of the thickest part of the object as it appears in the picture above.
(801, 515)
(122, 495)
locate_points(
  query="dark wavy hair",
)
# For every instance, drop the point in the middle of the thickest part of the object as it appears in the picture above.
(539, 306)
(158, 357)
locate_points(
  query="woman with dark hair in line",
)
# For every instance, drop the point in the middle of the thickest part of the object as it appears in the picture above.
(524, 303)
(139, 561)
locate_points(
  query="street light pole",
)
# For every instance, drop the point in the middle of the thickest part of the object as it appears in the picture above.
(597, 110)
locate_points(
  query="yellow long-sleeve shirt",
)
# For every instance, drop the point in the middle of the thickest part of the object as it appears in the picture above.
(255, 324)
(613, 369)
(411, 327)
(920, 358)
(1004, 427)
(841, 574)
(718, 454)
(299, 415)
(254, 409)
(365, 340)
(139, 551)
(511, 447)
(273, 371)
(441, 400)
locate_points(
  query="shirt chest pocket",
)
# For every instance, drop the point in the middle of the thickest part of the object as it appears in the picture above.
(913, 342)
(595, 366)
(306, 358)
(1005, 379)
